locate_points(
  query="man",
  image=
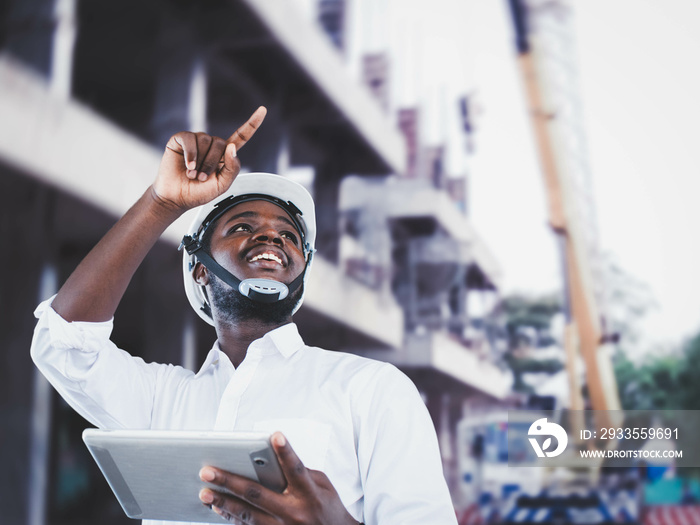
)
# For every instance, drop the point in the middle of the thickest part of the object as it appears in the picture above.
(364, 447)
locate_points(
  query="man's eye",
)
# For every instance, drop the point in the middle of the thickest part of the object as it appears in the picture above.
(240, 228)
(290, 236)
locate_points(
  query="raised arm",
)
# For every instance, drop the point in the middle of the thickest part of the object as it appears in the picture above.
(195, 169)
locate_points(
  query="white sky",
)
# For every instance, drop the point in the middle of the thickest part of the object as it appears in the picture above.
(640, 79)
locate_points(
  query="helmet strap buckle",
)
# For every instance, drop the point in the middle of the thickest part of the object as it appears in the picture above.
(263, 290)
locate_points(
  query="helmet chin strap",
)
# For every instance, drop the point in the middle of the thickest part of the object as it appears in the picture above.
(260, 290)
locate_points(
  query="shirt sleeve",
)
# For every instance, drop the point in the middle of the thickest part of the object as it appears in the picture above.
(106, 385)
(399, 456)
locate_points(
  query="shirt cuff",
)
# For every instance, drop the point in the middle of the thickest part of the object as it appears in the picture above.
(71, 334)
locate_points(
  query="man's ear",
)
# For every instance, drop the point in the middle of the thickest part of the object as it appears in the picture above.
(200, 274)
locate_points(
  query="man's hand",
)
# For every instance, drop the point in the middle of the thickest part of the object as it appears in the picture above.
(309, 498)
(196, 167)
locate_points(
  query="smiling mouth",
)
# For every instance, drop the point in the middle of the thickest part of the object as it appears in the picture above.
(267, 257)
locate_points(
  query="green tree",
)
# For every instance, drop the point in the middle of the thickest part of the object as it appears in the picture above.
(670, 382)
(527, 325)
(687, 387)
(522, 314)
(649, 386)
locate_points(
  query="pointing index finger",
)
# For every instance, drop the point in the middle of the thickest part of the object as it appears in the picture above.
(247, 130)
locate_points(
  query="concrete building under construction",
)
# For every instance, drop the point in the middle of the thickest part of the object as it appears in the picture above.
(90, 93)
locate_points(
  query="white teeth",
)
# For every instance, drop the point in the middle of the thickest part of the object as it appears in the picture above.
(268, 256)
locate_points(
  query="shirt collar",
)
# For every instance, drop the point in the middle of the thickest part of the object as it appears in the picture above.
(285, 339)
(213, 359)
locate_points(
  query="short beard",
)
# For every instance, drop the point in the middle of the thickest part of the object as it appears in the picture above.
(232, 307)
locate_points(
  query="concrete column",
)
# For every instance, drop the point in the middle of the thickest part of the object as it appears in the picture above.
(326, 193)
(40, 431)
(63, 45)
(26, 222)
(30, 31)
(181, 79)
(270, 148)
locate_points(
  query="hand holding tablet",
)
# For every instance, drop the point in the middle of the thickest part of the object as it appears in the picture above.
(155, 474)
(213, 477)
(309, 498)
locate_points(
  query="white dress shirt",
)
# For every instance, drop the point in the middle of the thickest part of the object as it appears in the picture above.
(360, 421)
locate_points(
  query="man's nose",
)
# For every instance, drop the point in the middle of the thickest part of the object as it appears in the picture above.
(269, 235)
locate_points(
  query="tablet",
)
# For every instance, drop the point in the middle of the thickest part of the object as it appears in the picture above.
(155, 473)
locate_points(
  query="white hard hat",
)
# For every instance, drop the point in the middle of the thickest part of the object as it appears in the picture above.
(287, 194)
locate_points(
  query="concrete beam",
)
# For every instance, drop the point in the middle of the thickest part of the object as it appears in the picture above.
(349, 303)
(438, 352)
(466, 366)
(417, 199)
(67, 145)
(310, 48)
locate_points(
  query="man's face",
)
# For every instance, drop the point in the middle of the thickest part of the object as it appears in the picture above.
(254, 239)
(258, 239)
